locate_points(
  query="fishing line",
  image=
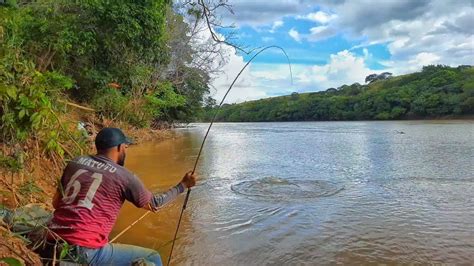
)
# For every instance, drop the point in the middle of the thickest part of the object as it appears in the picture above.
(209, 129)
(202, 146)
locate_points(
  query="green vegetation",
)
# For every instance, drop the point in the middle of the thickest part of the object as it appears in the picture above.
(11, 261)
(10, 163)
(131, 61)
(436, 91)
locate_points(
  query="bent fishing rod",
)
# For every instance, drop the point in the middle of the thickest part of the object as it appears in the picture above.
(202, 146)
(209, 129)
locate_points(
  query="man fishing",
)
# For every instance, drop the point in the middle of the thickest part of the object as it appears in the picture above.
(90, 195)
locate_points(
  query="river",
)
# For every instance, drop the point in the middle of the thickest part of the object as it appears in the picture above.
(305, 193)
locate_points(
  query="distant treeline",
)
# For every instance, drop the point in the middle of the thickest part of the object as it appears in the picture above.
(436, 91)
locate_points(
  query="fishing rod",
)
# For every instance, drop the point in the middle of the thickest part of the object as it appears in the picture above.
(209, 129)
(202, 146)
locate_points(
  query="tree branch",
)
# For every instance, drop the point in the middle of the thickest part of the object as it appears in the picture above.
(207, 13)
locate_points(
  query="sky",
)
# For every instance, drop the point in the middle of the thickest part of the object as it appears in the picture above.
(335, 42)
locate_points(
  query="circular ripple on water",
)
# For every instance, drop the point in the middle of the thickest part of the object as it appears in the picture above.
(279, 188)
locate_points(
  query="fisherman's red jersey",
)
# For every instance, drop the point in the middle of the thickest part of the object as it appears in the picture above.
(94, 189)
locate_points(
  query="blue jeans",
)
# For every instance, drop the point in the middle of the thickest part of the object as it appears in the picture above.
(120, 254)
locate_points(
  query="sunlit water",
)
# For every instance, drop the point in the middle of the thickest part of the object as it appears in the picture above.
(313, 193)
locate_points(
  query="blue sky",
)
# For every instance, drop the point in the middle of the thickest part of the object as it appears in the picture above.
(304, 52)
(331, 43)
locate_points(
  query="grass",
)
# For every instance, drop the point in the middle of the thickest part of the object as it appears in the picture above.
(10, 163)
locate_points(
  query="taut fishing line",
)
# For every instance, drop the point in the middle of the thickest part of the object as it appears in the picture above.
(202, 146)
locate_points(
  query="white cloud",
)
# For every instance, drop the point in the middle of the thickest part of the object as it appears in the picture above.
(277, 24)
(320, 17)
(342, 68)
(366, 53)
(244, 88)
(316, 34)
(248, 86)
(265, 80)
(423, 59)
(272, 72)
(295, 35)
(320, 33)
(262, 13)
(443, 27)
(413, 64)
(410, 28)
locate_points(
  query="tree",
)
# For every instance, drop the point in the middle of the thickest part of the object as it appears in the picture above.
(370, 78)
(374, 77)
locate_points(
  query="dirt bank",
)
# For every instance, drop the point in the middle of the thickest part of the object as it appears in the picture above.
(30, 176)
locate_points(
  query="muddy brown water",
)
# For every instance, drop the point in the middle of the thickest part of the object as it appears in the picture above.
(313, 193)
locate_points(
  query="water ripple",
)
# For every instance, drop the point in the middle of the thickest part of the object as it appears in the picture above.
(284, 189)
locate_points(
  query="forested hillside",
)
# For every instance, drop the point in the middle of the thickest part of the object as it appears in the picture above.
(436, 91)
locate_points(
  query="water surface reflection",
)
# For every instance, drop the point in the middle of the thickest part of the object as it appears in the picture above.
(407, 198)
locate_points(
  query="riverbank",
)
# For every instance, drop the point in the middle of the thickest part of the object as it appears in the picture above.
(30, 175)
(447, 119)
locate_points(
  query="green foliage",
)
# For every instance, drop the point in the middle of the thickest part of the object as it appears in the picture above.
(65, 249)
(29, 187)
(27, 101)
(60, 49)
(11, 261)
(28, 95)
(138, 111)
(53, 143)
(109, 103)
(95, 42)
(10, 163)
(165, 97)
(437, 91)
(27, 98)
(121, 42)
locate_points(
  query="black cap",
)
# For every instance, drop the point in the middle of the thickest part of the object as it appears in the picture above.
(109, 137)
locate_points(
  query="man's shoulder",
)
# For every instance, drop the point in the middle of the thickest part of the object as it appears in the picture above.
(125, 173)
